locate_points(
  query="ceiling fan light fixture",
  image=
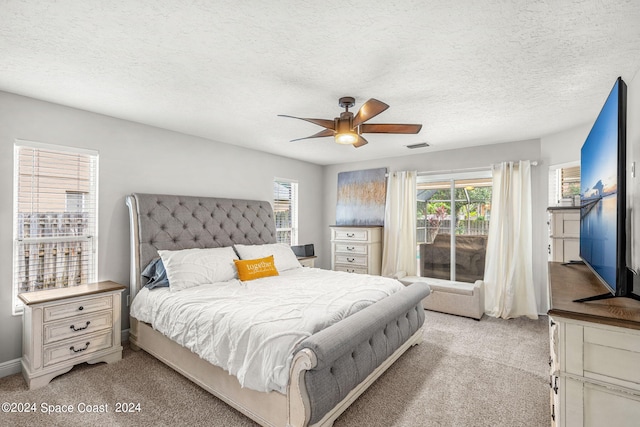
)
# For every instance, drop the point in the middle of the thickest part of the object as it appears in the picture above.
(346, 138)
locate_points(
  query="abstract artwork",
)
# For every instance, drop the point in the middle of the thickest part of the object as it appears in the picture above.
(361, 197)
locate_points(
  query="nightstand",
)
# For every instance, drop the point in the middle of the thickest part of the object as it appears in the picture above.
(307, 261)
(67, 326)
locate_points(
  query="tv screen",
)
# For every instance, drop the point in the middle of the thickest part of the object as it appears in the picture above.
(602, 194)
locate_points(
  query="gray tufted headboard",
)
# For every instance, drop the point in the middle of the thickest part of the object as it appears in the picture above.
(161, 221)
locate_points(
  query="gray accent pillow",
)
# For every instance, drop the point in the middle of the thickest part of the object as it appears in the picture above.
(156, 275)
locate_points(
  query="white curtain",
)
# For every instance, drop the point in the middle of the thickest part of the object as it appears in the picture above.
(399, 244)
(509, 290)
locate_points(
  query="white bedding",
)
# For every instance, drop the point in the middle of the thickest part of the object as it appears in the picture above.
(251, 328)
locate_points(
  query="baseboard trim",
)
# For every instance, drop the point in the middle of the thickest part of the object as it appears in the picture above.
(10, 367)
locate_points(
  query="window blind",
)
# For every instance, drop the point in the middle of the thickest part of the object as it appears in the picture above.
(55, 217)
(285, 207)
(564, 183)
(570, 181)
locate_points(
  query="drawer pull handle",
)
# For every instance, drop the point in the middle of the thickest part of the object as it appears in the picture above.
(550, 360)
(351, 235)
(86, 346)
(80, 308)
(351, 259)
(81, 328)
(351, 248)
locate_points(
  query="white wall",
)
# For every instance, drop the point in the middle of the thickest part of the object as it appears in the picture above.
(464, 158)
(633, 183)
(137, 158)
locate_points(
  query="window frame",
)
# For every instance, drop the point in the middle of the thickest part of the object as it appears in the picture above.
(556, 181)
(451, 178)
(91, 235)
(293, 206)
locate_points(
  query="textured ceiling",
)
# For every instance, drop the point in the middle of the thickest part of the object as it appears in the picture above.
(472, 72)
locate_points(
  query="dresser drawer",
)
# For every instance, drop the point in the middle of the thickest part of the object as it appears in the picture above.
(75, 326)
(351, 269)
(351, 235)
(76, 308)
(612, 355)
(351, 248)
(73, 348)
(351, 259)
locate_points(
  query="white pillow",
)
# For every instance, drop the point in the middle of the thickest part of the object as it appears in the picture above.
(192, 267)
(283, 256)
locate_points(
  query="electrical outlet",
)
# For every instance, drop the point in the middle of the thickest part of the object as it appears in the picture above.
(128, 300)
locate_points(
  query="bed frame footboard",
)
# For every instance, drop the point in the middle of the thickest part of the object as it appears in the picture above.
(334, 366)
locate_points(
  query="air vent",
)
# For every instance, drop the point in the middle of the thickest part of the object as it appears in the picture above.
(419, 145)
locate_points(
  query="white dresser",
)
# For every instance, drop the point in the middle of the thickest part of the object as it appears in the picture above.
(66, 326)
(356, 249)
(595, 352)
(564, 234)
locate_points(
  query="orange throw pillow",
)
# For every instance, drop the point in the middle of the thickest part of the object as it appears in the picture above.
(250, 269)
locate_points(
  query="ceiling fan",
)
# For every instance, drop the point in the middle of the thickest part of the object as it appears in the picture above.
(348, 129)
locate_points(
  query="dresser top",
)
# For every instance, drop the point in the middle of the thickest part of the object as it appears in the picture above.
(563, 208)
(570, 282)
(355, 226)
(48, 295)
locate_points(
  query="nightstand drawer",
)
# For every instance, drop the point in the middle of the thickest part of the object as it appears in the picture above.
(76, 326)
(350, 269)
(352, 248)
(70, 349)
(351, 259)
(76, 308)
(351, 235)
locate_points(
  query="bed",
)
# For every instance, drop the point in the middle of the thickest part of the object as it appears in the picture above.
(329, 369)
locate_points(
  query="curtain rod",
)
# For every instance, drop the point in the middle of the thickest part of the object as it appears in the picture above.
(452, 171)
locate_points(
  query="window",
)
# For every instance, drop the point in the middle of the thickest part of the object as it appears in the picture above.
(453, 224)
(285, 207)
(55, 217)
(564, 183)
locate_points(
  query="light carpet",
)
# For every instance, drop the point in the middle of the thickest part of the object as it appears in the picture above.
(465, 373)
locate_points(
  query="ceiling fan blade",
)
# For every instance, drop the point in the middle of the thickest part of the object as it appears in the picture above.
(361, 142)
(325, 132)
(389, 128)
(329, 124)
(369, 109)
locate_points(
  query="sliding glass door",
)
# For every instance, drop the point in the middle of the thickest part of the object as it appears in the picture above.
(452, 225)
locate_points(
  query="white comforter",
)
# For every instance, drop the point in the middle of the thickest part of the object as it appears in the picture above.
(251, 328)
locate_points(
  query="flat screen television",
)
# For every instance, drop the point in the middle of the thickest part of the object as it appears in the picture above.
(603, 198)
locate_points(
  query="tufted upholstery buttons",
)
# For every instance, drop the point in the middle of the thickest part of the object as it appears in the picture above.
(169, 222)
